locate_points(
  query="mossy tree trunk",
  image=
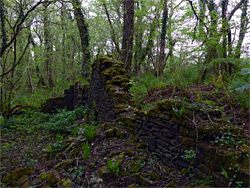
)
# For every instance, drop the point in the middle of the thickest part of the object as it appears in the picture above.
(84, 36)
(128, 31)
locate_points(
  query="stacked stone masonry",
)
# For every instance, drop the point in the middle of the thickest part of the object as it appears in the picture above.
(182, 134)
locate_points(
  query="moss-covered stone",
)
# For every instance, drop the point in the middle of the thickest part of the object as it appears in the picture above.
(23, 182)
(188, 142)
(142, 145)
(62, 164)
(65, 183)
(104, 172)
(133, 185)
(110, 133)
(121, 155)
(52, 177)
(130, 152)
(144, 181)
(114, 132)
(105, 126)
(16, 175)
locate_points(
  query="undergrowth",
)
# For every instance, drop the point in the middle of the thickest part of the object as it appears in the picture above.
(31, 120)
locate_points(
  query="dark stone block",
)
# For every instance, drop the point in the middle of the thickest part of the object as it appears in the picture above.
(151, 144)
(181, 163)
(168, 135)
(157, 134)
(168, 156)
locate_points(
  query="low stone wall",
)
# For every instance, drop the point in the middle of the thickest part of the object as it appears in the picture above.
(196, 141)
(76, 95)
(187, 136)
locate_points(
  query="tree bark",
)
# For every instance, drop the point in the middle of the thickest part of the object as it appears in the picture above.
(243, 29)
(48, 48)
(163, 40)
(128, 31)
(84, 35)
(3, 30)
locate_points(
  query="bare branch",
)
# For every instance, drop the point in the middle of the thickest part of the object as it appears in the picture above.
(19, 60)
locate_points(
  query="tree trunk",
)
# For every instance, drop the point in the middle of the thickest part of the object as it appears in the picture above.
(84, 35)
(3, 30)
(128, 31)
(163, 40)
(47, 44)
(243, 29)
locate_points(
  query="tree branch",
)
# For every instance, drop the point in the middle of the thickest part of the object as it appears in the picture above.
(19, 60)
(112, 28)
(197, 17)
(235, 9)
(18, 26)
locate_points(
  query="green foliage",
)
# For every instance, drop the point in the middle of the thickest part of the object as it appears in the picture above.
(63, 121)
(189, 154)
(224, 173)
(143, 84)
(206, 181)
(90, 131)
(241, 87)
(113, 166)
(178, 112)
(86, 150)
(182, 75)
(227, 138)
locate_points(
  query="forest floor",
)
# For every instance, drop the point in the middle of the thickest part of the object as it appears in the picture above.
(41, 158)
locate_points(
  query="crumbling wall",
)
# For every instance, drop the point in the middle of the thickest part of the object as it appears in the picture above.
(108, 89)
(185, 135)
(194, 140)
(76, 95)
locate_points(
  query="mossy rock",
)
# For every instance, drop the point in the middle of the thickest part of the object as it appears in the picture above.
(23, 182)
(187, 142)
(65, 183)
(154, 176)
(144, 181)
(142, 145)
(104, 172)
(133, 185)
(114, 132)
(134, 166)
(52, 177)
(110, 133)
(14, 176)
(171, 184)
(121, 155)
(126, 85)
(118, 80)
(105, 126)
(62, 164)
(130, 152)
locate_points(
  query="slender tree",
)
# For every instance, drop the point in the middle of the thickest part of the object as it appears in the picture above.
(244, 20)
(84, 36)
(128, 30)
(163, 40)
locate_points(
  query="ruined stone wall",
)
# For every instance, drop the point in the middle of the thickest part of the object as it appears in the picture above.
(108, 89)
(76, 95)
(174, 137)
(187, 136)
